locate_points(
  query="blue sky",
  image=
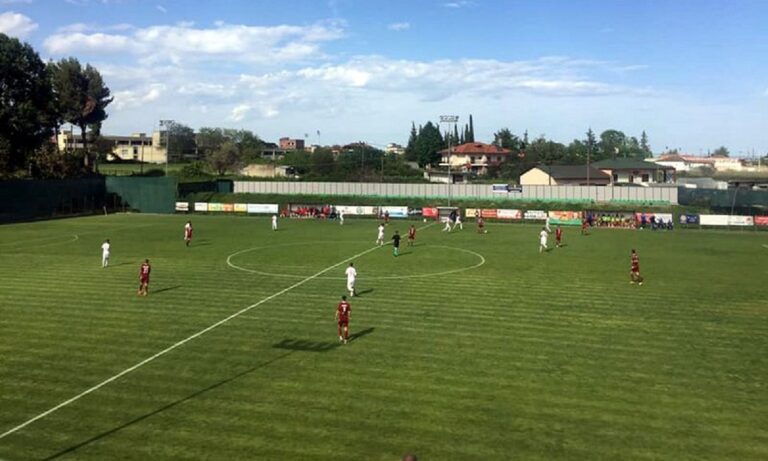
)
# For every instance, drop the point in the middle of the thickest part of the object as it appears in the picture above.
(693, 74)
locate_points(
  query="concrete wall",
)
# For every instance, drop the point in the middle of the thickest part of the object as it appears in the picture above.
(549, 193)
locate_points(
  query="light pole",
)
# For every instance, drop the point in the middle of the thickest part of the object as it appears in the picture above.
(449, 119)
(168, 124)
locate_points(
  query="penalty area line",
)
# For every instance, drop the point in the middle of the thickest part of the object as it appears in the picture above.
(180, 343)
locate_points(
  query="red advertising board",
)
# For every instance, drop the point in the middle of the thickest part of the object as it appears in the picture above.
(761, 220)
(429, 212)
(486, 213)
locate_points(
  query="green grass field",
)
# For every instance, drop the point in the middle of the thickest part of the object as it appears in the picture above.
(525, 356)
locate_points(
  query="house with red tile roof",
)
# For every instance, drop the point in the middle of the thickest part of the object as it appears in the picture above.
(473, 157)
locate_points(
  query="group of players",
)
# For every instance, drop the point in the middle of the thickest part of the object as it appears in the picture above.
(344, 308)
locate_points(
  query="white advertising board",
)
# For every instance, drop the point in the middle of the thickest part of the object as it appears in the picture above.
(262, 208)
(395, 211)
(725, 220)
(535, 214)
(357, 210)
(201, 206)
(182, 206)
(509, 214)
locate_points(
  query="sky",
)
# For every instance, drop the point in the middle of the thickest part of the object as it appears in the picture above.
(692, 73)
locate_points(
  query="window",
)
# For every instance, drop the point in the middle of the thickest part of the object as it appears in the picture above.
(615, 177)
(472, 159)
(644, 178)
(135, 153)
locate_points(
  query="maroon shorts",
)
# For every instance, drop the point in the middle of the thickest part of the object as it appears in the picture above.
(343, 322)
(144, 280)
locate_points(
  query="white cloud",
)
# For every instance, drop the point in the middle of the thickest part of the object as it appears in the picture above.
(399, 26)
(161, 9)
(459, 4)
(16, 24)
(184, 42)
(239, 112)
(138, 97)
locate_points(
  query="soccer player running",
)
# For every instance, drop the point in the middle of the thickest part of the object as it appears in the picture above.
(396, 244)
(105, 247)
(351, 273)
(188, 233)
(543, 240)
(144, 271)
(584, 226)
(481, 225)
(342, 318)
(558, 236)
(447, 227)
(458, 222)
(634, 271)
(380, 235)
(411, 235)
(274, 222)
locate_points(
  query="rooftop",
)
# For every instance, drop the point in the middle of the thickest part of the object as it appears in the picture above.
(475, 148)
(629, 164)
(573, 172)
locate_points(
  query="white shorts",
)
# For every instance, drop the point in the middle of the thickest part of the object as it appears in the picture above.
(350, 285)
(543, 242)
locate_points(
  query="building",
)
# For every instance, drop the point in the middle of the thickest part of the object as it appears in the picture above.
(291, 144)
(561, 175)
(137, 147)
(393, 148)
(631, 171)
(473, 157)
(683, 162)
(259, 170)
(442, 176)
(272, 151)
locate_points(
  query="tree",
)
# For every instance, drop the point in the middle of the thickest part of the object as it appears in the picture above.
(209, 140)
(299, 160)
(225, 158)
(612, 143)
(428, 145)
(179, 139)
(471, 130)
(504, 138)
(644, 145)
(48, 163)
(322, 162)
(721, 151)
(82, 96)
(27, 104)
(410, 148)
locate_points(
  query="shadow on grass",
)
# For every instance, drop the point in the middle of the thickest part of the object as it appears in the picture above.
(161, 290)
(199, 243)
(318, 346)
(364, 292)
(168, 406)
(118, 265)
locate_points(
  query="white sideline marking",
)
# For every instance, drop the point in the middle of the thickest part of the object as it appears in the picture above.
(180, 343)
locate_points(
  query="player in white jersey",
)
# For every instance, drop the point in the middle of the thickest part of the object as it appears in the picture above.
(105, 253)
(341, 217)
(380, 237)
(351, 275)
(458, 222)
(274, 222)
(543, 240)
(447, 227)
(546, 225)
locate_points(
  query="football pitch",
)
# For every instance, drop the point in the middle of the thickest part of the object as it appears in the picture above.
(465, 347)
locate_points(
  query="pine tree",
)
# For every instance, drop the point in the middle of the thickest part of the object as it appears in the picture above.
(644, 145)
(456, 140)
(471, 130)
(410, 149)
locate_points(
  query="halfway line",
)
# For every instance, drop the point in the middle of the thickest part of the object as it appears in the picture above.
(180, 343)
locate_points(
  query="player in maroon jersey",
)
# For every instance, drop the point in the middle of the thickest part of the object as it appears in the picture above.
(342, 318)
(411, 235)
(634, 273)
(558, 236)
(386, 217)
(584, 226)
(144, 278)
(188, 233)
(480, 225)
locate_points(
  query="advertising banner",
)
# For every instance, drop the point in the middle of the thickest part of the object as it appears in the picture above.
(713, 220)
(429, 212)
(689, 219)
(761, 220)
(241, 208)
(509, 214)
(572, 218)
(228, 207)
(182, 206)
(470, 212)
(262, 208)
(663, 217)
(395, 211)
(201, 206)
(500, 188)
(538, 215)
(488, 213)
(353, 210)
(741, 221)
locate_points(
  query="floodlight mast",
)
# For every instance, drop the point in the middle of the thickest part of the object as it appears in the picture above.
(449, 119)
